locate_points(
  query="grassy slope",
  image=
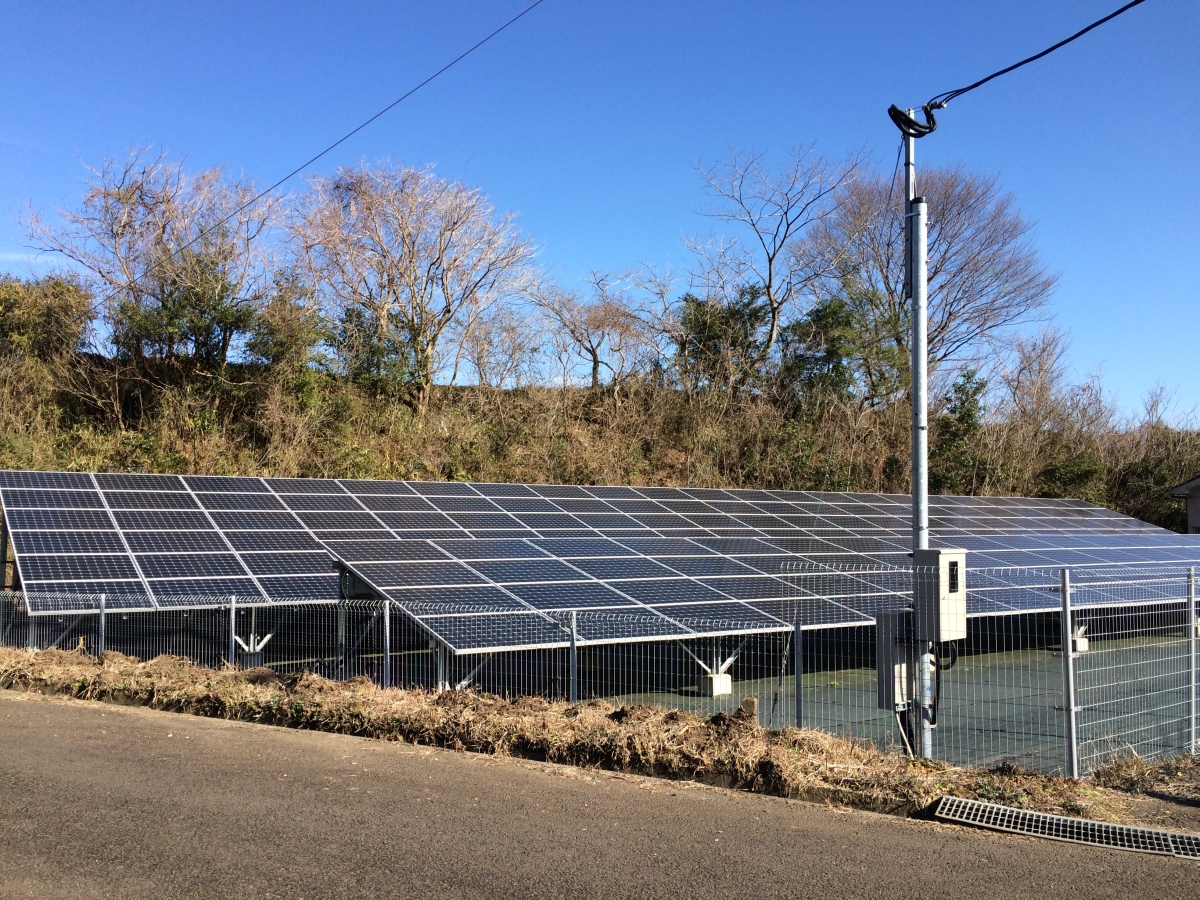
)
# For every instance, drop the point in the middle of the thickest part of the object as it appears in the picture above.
(730, 751)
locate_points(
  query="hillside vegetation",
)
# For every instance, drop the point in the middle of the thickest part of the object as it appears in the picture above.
(391, 324)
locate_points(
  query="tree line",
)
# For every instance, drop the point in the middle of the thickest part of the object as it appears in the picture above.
(388, 322)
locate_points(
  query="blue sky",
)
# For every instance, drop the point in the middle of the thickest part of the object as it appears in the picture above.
(587, 119)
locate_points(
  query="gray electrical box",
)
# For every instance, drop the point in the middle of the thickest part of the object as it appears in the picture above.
(940, 595)
(896, 660)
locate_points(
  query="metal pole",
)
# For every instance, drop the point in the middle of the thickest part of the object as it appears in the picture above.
(32, 627)
(574, 658)
(3, 552)
(917, 287)
(441, 668)
(232, 632)
(1192, 639)
(920, 379)
(100, 630)
(1068, 653)
(798, 653)
(341, 641)
(385, 678)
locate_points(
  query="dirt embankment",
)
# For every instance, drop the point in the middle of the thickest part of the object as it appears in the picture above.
(730, 751)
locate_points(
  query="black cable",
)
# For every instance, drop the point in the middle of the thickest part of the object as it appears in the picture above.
(296, 171)
(941, 100)
(912, 128)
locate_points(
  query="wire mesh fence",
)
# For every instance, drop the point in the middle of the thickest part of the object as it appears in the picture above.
(834, 655)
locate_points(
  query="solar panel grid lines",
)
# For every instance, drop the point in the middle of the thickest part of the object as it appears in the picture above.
(121, 536)
(233, 586)
(705, 542)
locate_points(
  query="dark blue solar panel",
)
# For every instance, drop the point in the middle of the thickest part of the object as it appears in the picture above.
(261, 521)
(400, 575)
(271, 540)
(384, 551)
(328, 502)
(416, 521)
(512, 570)
(491, 549)
(68, 480)
(303, 485)
(190, 565)
(67, 542)
(175, 542)
(63, 568)
(288, 563)
(622, 567)
(53, 499)
(570, 595)
(150, 500)
(239, 501)
(160, 520)
(118, 481)
(64, 519)
(317, 588)
(223, 484)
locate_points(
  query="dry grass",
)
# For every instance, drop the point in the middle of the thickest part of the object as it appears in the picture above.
(729, 751)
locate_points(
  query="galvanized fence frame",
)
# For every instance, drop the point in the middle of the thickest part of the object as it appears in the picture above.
(1125, 681)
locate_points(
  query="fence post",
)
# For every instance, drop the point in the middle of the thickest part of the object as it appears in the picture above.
(232, 631)
(574, 659)
(341, 641)
(100, 630)
(1192, 639)
(798, 653)
(386, 676)
(1068, 654)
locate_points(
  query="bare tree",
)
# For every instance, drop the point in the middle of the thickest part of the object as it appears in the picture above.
(178, 263)
(605, 332)
(401, 255)
(984, 274)
(500, 348)
(771, 211)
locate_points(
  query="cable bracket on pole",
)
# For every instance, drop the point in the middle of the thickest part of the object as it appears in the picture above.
(909, 126)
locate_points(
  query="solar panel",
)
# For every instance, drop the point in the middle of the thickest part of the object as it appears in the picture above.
(506, 563)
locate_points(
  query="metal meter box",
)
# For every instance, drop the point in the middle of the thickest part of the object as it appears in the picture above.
(940, 595)
(896, 660)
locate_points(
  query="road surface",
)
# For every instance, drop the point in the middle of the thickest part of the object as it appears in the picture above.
(106, 801)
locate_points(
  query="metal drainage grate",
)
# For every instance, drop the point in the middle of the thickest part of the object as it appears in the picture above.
(1062, 828)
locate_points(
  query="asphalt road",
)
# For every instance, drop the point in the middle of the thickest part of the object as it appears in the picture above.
(103, 801)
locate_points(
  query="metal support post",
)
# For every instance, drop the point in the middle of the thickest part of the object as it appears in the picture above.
(916, 230)
(3, 552)
(32, 627)
(100, 629)
(340, 668)
(920, 379)
(1068, 653)
(574, 658)
(385, 676)
(1193, 748)
(441, 668)
(232, 632)
(798, 653)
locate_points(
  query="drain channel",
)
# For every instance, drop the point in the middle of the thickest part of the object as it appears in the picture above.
(1063, 828)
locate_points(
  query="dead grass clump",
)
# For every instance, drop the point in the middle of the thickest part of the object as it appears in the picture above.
(726, 750)
(1135, 775)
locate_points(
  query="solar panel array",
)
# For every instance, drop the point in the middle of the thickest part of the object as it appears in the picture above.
(490, 566)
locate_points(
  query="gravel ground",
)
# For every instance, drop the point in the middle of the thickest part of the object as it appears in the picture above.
(105, 801)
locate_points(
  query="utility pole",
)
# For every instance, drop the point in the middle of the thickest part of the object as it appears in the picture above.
(916, 291)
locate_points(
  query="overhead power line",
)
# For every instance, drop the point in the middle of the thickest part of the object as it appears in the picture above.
(913, 128)
(349, 134)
